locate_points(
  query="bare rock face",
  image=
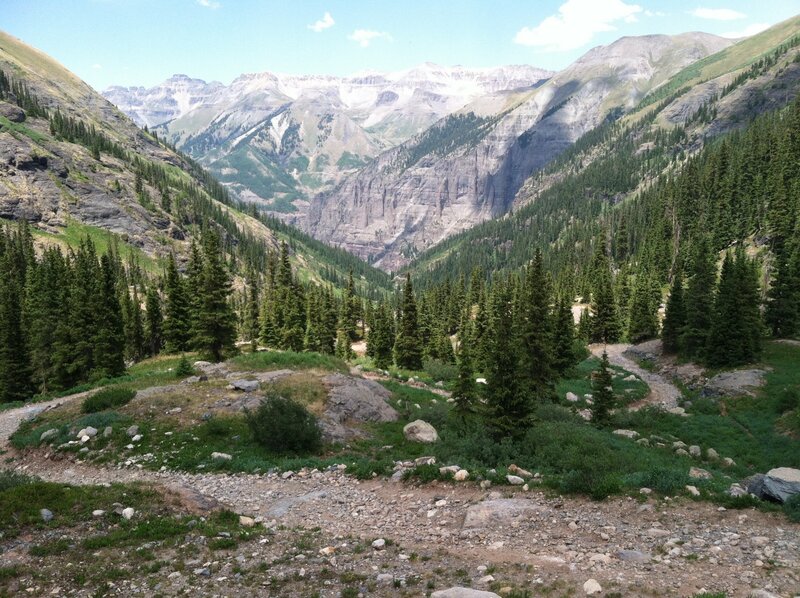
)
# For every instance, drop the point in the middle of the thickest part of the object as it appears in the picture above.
(353, 401)
(503, 511)
(468, 167)
(782, 483)
(12, 112)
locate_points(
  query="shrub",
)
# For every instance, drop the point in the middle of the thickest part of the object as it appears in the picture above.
(184, 368)
(792, 508)
(440, 370)
(284, 426)
(107, 399)
(787, 400)
(11, 479)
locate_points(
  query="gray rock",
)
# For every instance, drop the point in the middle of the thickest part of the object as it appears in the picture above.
(352, 401)
(379, 544)
(11, 112)
(737, 490)
(46, 515)
(87, 431)
(634, 556)
(735, 383)
(699, 474)
(695, 451)
(712, 455)
(132, 431)
(591, 586)
(420, 431)
(762, 594)
(48, 435)
(220, 456)
(572, 397)
(245, 385)
(128, 513)
(632, 434)
(514, 480)
(108, 431)
(459, 592)
(782, 483)
(497, 512)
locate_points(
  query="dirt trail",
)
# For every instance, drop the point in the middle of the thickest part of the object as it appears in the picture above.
(662, 391)
(561, 540)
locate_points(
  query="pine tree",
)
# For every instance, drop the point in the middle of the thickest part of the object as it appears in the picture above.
(602, 393)
(380, 340)
(643, 323)
(343, 349)
(674, 317)
(699, 300)
(408, 346)
(783, 304)
(465, 391)
(564, 354)
(251, 314)
(215, 332)
(109, 337)
(154, 322)
(605, 322)
(15, 367)
(177, 327)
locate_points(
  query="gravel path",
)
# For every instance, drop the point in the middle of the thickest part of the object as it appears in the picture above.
(662, 391)
(679, 547)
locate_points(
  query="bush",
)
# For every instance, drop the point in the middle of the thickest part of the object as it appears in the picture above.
(184, 368)
(792, 508)
(284, 426)
(10, 479)
(788, 399)
(439, 370)
(107, 399)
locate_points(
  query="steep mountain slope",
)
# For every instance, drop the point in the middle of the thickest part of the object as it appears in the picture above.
(592, 191)
(468, 167)
(70, 161)
(276, 139)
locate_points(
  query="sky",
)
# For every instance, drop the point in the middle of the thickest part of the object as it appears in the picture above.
(143, 42)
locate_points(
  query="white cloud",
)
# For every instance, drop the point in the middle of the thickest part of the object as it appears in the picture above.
(97, 66)
(654, 13)
(747, 31)
(324, 23)
(717, 14)
(363, 37)
(576, 24)
(209, 4)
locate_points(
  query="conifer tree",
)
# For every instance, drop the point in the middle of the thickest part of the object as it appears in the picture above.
(602, 393)
(251, 313)
(783, 304)
(177, 329)
(643, 323)
(564, 355)
(154, 322)
(109, 337)
(408, 346)
(380, 340)
(674, 317)
(699, 300)
(465, 391)
(605, 322)
(215, 332)
(15, 368)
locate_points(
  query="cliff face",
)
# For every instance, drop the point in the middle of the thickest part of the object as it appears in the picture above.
(468, 167)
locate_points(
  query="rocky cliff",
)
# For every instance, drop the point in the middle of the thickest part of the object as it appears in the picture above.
(468, 167)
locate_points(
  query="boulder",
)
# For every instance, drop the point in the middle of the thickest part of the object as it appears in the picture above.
(516, 470)
(712, 455)
(48, 435)
(782, 483)
(699, 474)
(735, 383)
(633, 556)
(245, 385)
(514, 480)
(46, 514)
(221, 457)
(692, 490)
(498, 512)
(695, 451)
(420, 431)
(461, 475)
(632, 434)
(458, 592)
(132, 431)
(592, 587)
(88, 431)
(128, 513)
(245, 521)
(572, 397)
(353, 401)
(12, 112)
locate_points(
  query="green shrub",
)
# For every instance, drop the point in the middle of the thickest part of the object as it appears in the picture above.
(284, 426)
(792, 508)
(11, 479)
(184, 368)
(665, 481)
(107, 399)
(787, 399)
(440, 370)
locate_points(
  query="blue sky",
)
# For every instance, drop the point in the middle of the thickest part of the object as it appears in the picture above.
(142, 42)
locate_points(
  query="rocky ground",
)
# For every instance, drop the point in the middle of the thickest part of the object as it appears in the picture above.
(325, 533)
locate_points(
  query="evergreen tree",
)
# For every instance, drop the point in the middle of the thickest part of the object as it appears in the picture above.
(783, 304)
(154, 321)
(674, 317)
(643, 323)
(177, 329)
(109, 337)
(380, 340)
(699, 301)
(215, 332)
(465, 391)
(602, 393)
(408, 346)
(605, 322)
(15, 367)
(251, 326)
(564, 354)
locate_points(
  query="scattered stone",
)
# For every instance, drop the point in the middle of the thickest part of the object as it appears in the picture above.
(592, 587)
(451, 469)
(108, 431)
(461, 475)
(87, 431)
(737, 490)
(221, 457)
(458, 592)
(762, 594)
(245, 521)
(695, 451)
(245, 385)
(630, 378)
(678, 411)
(632, 434)
(643, 442)
(379, 544)
(385, 579)
(519, 471)
(132, 431)
(486, 580)
(572, 397)
(515, 480)
(420, 431)
(98, 513)
(48, 435)
(682, 452)
(136, 438)
(128, 513)
(498, 511)
(712, 455)
(692, 490)
(728, 462)
(735, 383)
(678, 444)
(633, 556)
(204, 571)
(645, 491)
(287, 474)
(697, 473)
(46, 514)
